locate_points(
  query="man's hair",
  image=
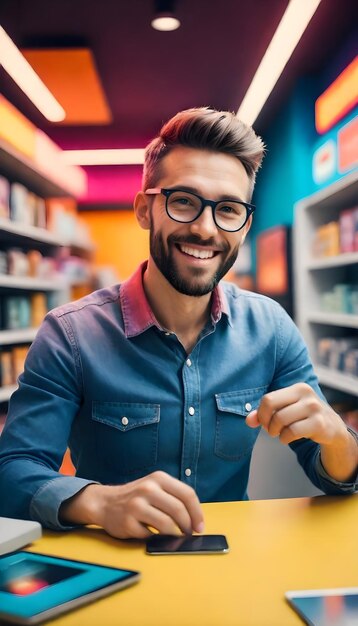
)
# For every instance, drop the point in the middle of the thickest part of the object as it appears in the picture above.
(206, 129)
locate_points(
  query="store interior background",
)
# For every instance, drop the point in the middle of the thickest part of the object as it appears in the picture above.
(145, 77)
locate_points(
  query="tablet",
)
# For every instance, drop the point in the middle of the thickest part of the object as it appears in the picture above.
(37, 587)
(326, 607)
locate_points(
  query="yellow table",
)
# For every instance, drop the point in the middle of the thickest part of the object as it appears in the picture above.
(275, 545)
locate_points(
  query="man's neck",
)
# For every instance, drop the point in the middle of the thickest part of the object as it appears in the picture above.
(183, 315)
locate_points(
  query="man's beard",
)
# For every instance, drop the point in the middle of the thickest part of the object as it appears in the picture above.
(166, 264)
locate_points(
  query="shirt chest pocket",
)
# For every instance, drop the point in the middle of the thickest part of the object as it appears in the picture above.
(233, 438)
(126, 435)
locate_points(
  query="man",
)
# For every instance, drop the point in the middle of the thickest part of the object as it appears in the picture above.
(160, 385)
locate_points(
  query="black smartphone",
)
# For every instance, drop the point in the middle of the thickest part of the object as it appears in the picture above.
(187, 544)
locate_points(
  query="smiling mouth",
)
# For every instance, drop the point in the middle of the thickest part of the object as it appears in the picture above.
(195, 252)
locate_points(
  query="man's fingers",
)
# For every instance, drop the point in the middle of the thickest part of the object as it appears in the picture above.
(186, 495)
(297, 430)
(175, 510)
(274, 401)
(252, 419)
(285, 417)
(160, 521)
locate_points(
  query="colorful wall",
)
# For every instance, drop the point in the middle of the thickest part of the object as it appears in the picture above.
(292, 140)
(120, 242)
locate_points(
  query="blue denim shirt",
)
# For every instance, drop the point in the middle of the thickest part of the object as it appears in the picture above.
(103, 377)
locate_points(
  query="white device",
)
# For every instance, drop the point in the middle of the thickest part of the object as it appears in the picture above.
(17, 533)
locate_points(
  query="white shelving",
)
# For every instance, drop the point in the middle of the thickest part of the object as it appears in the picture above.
(33, 284)
(6, 392)
(333, 319)
(21, 335)
(337, 380)
(314, 276)
(32, 234)
(348, 258)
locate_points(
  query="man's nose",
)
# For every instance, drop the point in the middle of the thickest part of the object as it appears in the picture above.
(204, 225)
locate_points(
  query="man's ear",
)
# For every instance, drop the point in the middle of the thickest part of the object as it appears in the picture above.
(246, 229)
(141, 209)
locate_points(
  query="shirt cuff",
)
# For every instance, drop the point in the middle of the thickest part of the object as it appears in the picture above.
(45, 505)
(344, 487)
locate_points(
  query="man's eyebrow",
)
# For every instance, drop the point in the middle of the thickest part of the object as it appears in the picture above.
(222, 198)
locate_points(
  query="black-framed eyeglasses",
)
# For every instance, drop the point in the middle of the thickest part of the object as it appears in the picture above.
(186, 206)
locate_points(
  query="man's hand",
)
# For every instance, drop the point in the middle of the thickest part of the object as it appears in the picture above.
(157, 501)
(296, 412)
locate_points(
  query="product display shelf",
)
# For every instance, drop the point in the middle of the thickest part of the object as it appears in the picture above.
(335, 319)
(9, 228)
(337, 380)
(20, 335)
(17, 166)
(313, 276)
(6, 392)
(347, 258)
(26, 234)
(33, 283)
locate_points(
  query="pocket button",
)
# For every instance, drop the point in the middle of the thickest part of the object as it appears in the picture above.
(248, 406)
(124, 421)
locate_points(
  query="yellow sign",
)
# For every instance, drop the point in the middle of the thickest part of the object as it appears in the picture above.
(15, 129)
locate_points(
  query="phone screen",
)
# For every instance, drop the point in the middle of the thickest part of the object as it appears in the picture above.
(187, 544)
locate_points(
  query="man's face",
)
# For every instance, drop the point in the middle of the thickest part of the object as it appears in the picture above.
(194, 257)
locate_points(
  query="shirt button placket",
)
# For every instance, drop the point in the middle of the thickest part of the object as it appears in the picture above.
(191, 438)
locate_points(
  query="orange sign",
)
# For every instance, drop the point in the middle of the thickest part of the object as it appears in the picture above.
(272, 270)
(340, 97)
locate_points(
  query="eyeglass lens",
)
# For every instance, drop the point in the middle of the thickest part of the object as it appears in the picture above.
(185, 207)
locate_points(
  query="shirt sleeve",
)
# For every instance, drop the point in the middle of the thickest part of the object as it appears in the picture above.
(330, 485)
(37, 428)
(294, 365)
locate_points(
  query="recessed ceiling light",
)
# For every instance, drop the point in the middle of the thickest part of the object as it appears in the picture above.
(117, 156)
(288, 33)
(164, 15)
(15, 64)
(165, 22)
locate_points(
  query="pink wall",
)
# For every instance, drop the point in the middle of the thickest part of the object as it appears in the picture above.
(115, 184)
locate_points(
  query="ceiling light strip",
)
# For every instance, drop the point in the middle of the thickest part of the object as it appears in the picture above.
(289, 31)
(130, 156)
(15, 64)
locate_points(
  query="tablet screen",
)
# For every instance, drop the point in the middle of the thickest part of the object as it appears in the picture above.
(326, 607)
(34, 587)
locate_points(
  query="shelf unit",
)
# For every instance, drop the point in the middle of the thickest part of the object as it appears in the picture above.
(17, 167)
(314, 276)
(23, 335)
(6, 392)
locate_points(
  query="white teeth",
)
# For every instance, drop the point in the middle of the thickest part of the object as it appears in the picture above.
(199, 254)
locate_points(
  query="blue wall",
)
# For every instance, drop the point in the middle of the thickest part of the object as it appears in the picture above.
(286, 174)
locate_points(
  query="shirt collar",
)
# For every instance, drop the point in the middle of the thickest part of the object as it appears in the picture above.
(136, 311)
